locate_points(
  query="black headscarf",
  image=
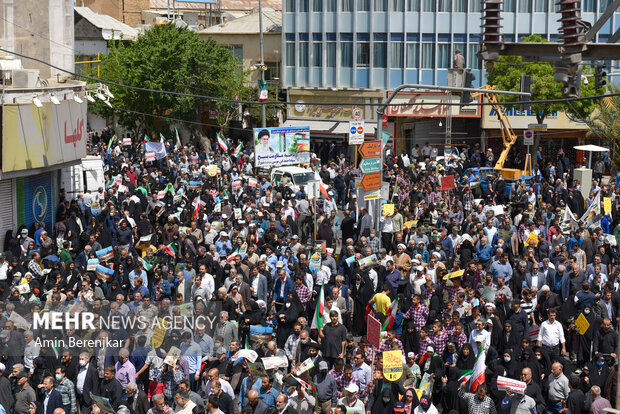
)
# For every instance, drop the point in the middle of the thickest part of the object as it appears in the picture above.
(466, 362)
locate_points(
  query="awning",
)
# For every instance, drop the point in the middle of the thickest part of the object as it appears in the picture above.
(343, 128)
(592, 148)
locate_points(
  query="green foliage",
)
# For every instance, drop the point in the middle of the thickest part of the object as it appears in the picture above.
(172, 59)
(605, 121)
(506, 75)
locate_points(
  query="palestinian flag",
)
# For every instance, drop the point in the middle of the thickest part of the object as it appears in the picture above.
(222, 142)
(323, 191)
(317, 322)
(147, 266)
(178, 143)
(392, 310)
(237, 151)
(322, 248)
(425, 356)
(304, 383)
(161, 136)
(146, 138)
(172, 249)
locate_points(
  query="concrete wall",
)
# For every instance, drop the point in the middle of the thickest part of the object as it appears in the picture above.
(251, 48)
(41, 29)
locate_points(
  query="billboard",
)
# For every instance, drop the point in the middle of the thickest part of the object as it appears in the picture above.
(40, 137)
(281, 146)
(522, 119)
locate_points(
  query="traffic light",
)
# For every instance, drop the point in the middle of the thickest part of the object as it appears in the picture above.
(526, 86)
(599, 74)
(491, 17)
(468, 81)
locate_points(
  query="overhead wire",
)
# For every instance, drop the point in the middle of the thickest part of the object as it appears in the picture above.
(279, 103)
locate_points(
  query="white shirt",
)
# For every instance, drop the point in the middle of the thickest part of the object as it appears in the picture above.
(31, 351)
(81, 378)
(4, 268)
(208, 284)
(551, 334)
(225, 387)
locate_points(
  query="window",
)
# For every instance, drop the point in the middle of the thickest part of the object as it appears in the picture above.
(331, 5)
(541, 6)
(474, 6)
(460, 6)
(346, 54)
(317, 5)
(525, 6)
(363, 54)
(473, 62)
(303, 5)
(459, 46)
(380, 55)
(413, 5)
(273, 71)
(347, 5)
(445, 5)
(602, 5)
(331, 54)
(509, 6)
(236, 51)
(290, 53)
(303, 54)
(413, 50)
(363, 5)
(380, 5)
(290, 6)
(429, 5)
(397, 55)
(398, 5)
(317, 54)
(443, 55)
(428, 55)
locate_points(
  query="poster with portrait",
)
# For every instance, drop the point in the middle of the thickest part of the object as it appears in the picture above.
(274, 147)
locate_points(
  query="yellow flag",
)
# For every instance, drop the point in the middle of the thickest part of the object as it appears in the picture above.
(582, 324)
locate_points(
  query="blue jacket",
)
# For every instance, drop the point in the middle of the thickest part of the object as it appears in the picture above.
(484, 253)
(288, 288)
(55, 401)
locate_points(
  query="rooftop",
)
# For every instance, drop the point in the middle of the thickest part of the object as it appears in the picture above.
(110, 27)
(272, 23)
(226, 5)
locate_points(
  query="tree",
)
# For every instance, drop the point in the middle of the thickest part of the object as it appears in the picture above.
(506, 75)
(174, 59)
(605, 121)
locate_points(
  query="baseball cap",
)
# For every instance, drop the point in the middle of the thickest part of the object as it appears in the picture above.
(352, 388)
(323, 365)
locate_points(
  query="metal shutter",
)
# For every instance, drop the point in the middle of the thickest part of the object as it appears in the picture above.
(7, 209)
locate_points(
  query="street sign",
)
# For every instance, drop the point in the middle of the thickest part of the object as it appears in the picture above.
(357, 113)
(447, 183)
(371, 181)
(370, 149)
(537, 127)
(528, 137)
(370, 165)
(356, 132)
(372, 195)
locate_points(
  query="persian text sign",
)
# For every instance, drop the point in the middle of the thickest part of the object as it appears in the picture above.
(393, 365)
(39, 137)
(424, 104)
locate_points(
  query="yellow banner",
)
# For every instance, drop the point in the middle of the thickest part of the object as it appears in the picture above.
(388, 209)
(582, 324)
(393, 365)
(453, 275)
(159, 333)
(607, 204)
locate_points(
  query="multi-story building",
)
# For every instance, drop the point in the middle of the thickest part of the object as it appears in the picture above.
(380, 44)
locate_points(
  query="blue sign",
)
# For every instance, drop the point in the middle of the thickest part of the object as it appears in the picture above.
(353, 130)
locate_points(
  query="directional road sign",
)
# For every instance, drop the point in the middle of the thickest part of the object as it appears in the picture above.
(370, 165)
(370, 149)
(371, 181)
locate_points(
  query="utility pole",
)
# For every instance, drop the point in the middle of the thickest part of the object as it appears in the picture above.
(262, 59)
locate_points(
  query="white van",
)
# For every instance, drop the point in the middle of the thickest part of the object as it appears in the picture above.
(295, 177)
(88, 175)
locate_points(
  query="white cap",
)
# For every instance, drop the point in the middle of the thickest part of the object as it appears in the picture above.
(419, 268)
(479, 338)
(223, 234)
(352, 388)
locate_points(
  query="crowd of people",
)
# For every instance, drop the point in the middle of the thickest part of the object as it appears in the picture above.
(210, 290)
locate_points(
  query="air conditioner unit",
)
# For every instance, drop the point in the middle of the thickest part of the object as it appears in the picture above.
(25, 78)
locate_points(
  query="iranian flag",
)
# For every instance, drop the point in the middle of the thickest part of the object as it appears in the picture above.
(304, 383)
(146, 138)
(317, 322)
(196, 211)
(222, 142)
(476, 375)
(178, 143)
(238, 150)
(392, 310)
(323, 191)
(172, 249)
(232, 256)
